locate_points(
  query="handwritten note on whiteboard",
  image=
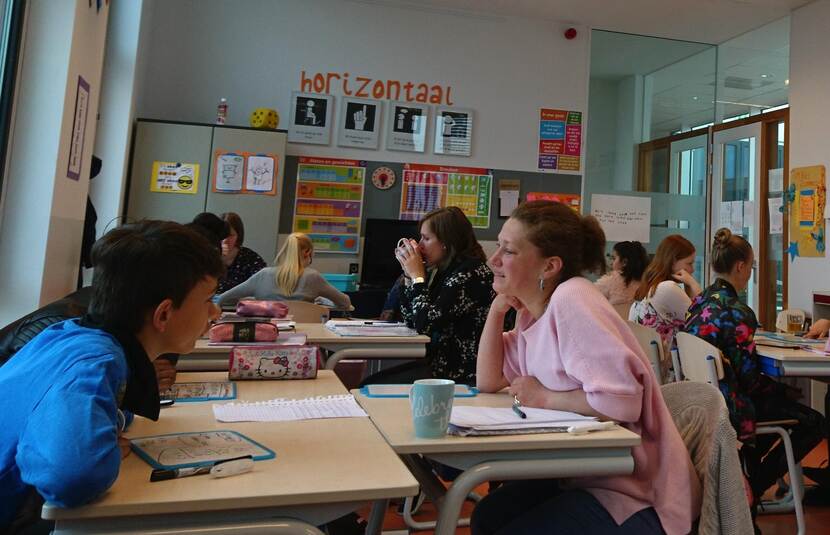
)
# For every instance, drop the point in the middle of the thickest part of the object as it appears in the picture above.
(623, 217)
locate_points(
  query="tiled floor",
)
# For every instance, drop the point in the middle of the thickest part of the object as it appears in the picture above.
(817, 517)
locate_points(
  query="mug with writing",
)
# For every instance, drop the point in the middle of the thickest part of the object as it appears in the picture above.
(431, 402)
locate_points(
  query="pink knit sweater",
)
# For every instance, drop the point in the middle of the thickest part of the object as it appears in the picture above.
(581, 343)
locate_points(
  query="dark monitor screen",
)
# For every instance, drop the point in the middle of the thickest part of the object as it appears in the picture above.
(380, 268)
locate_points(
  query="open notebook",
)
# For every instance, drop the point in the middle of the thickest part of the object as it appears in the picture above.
(482, 421)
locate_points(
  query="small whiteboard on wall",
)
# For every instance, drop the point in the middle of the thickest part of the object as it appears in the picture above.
(623, 218)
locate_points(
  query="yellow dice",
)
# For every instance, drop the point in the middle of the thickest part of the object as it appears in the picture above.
(265, 118)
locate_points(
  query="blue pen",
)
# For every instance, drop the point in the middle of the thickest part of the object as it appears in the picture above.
(516, 408)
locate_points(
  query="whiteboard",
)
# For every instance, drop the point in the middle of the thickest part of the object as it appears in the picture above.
(623, 217)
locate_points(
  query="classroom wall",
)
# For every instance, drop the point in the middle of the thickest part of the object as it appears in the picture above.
(503, 68)
(40, 235)
(809, 117)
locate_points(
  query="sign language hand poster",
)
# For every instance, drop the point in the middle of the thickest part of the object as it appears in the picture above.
(359, 124)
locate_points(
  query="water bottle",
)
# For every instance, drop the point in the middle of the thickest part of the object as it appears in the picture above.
(222, 111)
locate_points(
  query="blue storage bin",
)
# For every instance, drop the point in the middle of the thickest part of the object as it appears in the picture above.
(344, 283)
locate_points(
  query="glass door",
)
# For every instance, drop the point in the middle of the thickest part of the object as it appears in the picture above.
(687, 178)
(736, 172)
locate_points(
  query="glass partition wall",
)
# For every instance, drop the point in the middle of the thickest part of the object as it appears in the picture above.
(700, 130)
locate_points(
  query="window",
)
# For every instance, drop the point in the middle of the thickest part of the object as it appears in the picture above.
(11, 29)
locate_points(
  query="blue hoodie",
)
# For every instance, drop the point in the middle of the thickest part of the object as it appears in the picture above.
(59, 417)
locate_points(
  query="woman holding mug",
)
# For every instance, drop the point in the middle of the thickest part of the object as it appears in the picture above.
(447, 292)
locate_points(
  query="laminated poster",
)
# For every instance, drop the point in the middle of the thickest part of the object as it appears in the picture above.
(329, 203)
(427, 187)
(560, 140)
(175, 177)
(806, 198)
(245, 172)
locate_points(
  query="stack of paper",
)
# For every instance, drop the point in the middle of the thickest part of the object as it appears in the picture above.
(369, 328)
(472, 421)
(785, 340)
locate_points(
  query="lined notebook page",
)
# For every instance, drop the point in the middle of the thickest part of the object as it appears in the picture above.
(286, 410)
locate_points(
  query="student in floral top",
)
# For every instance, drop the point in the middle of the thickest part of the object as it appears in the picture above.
(660, 301)
(719, 317)
(241, 262)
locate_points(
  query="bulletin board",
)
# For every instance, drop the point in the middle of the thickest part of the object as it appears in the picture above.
(385, 204)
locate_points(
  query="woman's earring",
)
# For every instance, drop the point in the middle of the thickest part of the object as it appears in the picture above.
(541, 284)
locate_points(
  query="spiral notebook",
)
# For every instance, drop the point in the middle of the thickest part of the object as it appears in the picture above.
(286, 410)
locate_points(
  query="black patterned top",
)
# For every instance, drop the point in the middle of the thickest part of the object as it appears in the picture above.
(451, 311)
(246, 263)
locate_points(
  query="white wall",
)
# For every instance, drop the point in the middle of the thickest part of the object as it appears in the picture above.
(40, 235)
(503, 68)
(809, 119)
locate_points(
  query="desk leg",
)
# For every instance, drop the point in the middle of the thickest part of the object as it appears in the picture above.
(375, 524)
(821, 495)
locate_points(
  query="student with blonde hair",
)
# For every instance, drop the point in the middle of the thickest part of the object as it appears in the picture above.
(291, 279)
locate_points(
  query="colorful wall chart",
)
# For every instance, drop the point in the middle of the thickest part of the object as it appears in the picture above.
(570, 199)
(560, 140)
(806, 198)
(329, 203)
(427, 187)
(175, 177)
(245, 172)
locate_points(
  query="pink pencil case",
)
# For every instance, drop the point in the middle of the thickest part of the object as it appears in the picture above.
(244, 331)
(254, 307)
(273, 362)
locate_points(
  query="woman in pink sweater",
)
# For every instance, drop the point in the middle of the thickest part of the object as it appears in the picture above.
(571, 351)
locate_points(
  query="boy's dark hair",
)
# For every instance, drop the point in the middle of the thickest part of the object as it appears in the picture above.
(212, 227)
(138, 266)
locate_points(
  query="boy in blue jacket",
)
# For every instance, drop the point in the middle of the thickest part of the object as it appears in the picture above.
(63, 392)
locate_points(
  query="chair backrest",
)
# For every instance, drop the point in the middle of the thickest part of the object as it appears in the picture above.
(652, 345)
(622, 309)
(305, 312)
(701, 418)
(790, 316)
(700, 361)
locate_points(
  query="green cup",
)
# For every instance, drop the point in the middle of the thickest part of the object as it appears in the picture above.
(431, 402)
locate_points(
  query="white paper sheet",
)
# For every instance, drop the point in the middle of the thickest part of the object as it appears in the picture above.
(259, 175)
(623, 217)
(776, 217)
(286, 410)
(509, 202)
(229, 171)
(736, 223)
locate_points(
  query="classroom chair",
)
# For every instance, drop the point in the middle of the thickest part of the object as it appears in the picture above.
(305, 312)
(701, 362)
(701, 417)
(650, 341)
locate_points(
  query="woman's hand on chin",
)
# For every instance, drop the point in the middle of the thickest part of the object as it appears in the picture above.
(503, 303)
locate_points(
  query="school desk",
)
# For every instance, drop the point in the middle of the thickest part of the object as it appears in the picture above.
(496, 458)
(209, 357)
(782, 362)
(323, 469)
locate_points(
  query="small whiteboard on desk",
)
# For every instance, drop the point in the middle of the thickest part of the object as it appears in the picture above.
(623, 217)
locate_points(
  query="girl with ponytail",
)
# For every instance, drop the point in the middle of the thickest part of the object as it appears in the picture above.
(718, 316)
(292, 279)
(570, 350)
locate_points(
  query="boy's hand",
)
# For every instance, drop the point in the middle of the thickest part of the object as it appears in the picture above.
(124, 446)
(165, 373)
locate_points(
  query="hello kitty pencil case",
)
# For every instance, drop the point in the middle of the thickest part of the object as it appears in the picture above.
(243, 331)
(273, 362)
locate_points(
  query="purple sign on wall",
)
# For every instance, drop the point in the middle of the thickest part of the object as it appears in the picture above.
(76, 144)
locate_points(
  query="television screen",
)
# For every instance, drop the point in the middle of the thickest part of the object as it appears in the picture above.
(380, 268)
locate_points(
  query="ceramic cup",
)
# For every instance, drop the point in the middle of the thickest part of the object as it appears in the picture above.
(431, 402)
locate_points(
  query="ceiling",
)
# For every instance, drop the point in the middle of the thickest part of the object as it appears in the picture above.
(704, 21)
